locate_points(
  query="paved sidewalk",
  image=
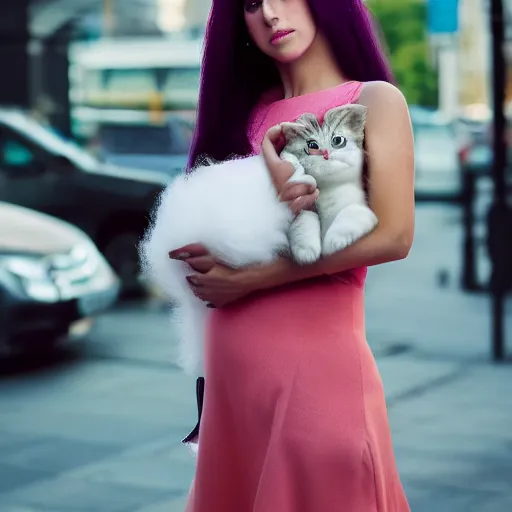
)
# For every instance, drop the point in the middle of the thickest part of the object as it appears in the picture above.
(405, 304)
(450, 408)
(451, 429)
(103, 436)
(452, 437)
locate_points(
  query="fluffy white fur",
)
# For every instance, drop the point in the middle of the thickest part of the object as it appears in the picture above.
(233, 210)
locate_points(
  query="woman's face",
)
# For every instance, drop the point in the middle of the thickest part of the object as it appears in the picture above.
(282, 29)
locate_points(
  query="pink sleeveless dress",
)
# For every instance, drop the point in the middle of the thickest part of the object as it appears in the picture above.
(294, 416)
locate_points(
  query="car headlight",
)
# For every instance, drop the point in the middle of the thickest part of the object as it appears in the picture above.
(53, 277)
(26, 267)
(32, 274)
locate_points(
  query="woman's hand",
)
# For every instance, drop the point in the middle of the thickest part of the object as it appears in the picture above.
(298, 195)
(213, 282)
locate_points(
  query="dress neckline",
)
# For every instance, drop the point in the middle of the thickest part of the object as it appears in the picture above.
(278, 91)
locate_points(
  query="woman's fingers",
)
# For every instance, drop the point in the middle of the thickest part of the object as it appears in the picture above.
(293, 191)
(188, 251)
(201, 264)
(306, 202)
(274, 140)
(269, 151)
(280, 171)
(272, 144)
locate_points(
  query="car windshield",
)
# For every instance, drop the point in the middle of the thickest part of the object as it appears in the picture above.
(50, 140)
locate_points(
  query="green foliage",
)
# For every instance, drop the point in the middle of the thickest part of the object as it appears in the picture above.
(403, 26)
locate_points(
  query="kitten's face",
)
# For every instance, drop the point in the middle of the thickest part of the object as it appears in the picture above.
(331, 153)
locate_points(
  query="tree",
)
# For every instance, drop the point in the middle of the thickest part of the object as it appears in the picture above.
(403, 28)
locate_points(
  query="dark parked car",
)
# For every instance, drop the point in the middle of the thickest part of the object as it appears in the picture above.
(52, 280)
(45, 172)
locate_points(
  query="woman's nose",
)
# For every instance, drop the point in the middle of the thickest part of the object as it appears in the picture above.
(269, 12)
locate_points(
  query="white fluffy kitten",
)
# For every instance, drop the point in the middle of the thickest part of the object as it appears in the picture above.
(233, 210)
(331, 157)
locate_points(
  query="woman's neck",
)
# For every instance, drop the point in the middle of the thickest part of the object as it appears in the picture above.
(315, 70)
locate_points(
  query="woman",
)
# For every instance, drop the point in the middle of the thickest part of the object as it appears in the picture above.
(294, 416)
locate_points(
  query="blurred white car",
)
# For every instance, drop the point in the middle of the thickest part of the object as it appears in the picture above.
(437, 172)
(53, 280)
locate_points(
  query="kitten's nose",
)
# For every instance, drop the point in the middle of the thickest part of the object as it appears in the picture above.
(326, 154)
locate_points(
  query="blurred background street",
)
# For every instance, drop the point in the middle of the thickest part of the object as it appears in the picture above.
(97, 111)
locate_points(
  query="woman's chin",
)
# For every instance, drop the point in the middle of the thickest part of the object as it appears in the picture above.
(287, 55)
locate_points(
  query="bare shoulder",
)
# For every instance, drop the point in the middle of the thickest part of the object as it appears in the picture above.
(388, 112)
(383, 97)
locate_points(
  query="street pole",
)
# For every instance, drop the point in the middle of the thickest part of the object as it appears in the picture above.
(497, 225)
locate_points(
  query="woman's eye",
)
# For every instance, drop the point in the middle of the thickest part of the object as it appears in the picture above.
(313, 144)
(252, 6)
(338, 141)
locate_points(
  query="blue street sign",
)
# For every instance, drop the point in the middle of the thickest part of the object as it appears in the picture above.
(443, 16)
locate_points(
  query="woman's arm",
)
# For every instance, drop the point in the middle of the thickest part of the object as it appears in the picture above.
(390, 147)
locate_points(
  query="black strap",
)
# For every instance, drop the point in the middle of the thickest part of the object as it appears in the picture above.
(200, 398)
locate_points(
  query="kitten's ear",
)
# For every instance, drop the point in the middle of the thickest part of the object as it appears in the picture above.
(305, 126)
(292, 130)
(310, 122)
(351, 117)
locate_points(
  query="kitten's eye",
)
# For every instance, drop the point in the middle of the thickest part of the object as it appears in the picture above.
(338, 142)
(252, 5)
(312, 144)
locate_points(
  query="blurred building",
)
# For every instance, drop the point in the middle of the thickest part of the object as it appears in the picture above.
(196, 12)
(474, 53)
(474, 56)
(153, 17)
(131, 17)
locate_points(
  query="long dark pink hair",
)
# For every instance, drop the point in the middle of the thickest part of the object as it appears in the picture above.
(235, 75)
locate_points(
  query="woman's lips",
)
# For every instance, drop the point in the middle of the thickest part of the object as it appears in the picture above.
(280, 35)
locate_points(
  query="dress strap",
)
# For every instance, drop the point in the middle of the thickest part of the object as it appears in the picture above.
(354, 91)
